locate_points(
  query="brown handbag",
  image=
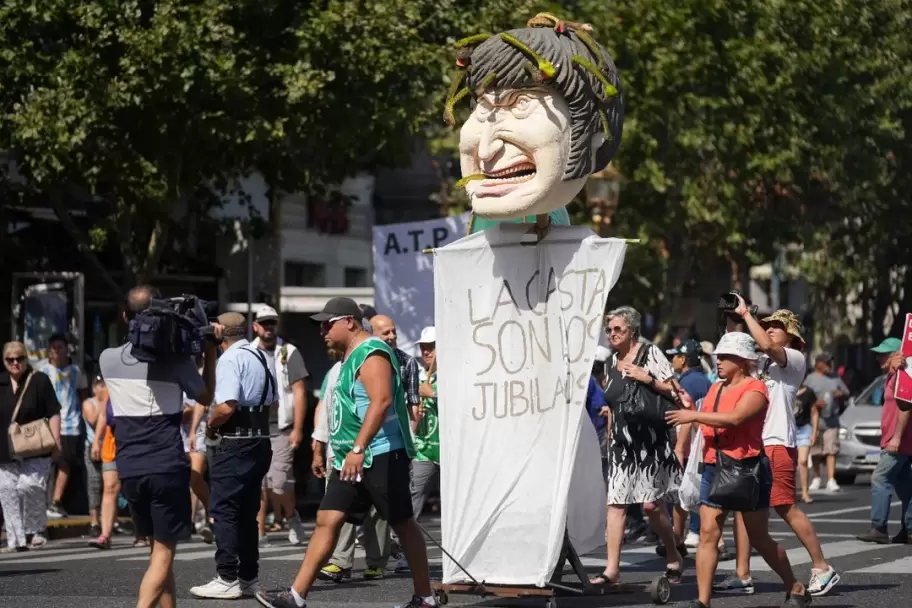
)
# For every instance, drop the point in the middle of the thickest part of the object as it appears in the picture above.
(32, 438)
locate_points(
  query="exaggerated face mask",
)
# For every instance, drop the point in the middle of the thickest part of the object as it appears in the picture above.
(519, 140)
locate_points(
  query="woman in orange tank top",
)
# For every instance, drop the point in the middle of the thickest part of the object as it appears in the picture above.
(733, 414)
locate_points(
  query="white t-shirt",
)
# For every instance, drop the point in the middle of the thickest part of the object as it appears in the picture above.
(321, 425)
(783, 384)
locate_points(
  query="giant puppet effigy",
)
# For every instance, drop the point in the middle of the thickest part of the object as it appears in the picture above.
(519, 304)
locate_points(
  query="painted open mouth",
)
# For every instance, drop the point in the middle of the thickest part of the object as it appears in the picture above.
(516, 174)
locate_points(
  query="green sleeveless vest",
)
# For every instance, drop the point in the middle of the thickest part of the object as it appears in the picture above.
(427, 433)
(346, 421)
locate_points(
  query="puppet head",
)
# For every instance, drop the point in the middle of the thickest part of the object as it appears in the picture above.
(547, 113)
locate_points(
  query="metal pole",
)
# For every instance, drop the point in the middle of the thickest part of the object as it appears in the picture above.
(249, 283)
(776, 279)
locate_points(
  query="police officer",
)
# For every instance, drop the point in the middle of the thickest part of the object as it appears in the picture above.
(238, 436)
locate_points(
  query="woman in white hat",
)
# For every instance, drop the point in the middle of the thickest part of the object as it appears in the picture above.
(731, 420)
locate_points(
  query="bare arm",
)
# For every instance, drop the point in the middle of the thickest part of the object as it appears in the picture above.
(815, 421)
(299, 403)
(751, 404)
(377, 376)
(89, 412)
(54, 422)
(220, 414)
(901, 421)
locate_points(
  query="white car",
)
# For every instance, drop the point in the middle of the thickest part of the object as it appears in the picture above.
(859, 437)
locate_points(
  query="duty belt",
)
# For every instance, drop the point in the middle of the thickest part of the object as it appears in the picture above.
(251, 421)
(247, 422)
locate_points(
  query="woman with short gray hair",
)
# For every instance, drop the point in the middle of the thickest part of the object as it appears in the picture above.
(642, 466)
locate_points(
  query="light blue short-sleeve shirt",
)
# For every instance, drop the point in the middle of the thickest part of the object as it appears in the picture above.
(241, 377)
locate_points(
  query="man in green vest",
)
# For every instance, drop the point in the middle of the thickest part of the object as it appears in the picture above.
(372, 451)
(426, 465)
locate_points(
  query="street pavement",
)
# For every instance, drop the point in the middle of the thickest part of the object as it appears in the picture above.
(68, 573)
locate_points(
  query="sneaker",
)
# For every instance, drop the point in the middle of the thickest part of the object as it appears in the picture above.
(902, 538)
(55, 511)
(100, 542)
(815, 485)
(822, 581)
(218, 589)
(832, 486)
(635, 532)
(372, 574)
(94, 531)
(296, 531)
(419, 602)
(38, 541)
(263, 542)
(874, 536)
(797, 601)
(206, 534)
(402, 565)
(692, 540)
(735, 586)
(724, 554)
(250, 588)
(333, 573)
(280, 598)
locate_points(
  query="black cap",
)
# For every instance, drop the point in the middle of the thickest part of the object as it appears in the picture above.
(338, 307)
(824, 358)
(690, 349)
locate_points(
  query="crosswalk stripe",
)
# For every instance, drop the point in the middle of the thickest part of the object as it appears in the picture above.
(897, 566)
(816, 516)
(799, 555)
(44, 558)
(190, 556)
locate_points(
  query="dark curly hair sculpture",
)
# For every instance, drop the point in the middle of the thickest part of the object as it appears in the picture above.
(557, 54)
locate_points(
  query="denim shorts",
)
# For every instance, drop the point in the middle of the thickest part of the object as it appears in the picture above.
(766, 484)
(803, 436)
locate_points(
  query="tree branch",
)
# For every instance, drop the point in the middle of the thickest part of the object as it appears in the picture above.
(82, 244)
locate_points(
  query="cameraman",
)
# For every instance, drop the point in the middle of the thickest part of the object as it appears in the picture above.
(782, 367)
(147, 402)
(238, 433)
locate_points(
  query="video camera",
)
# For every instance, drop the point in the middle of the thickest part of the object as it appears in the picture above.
(728, 302)
(171, 329)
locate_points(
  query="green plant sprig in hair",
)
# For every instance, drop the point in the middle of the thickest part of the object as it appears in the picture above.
(483, 86)
(454, 96)
(586, 39)
(544, 66)
(472, 40)
(610, 90)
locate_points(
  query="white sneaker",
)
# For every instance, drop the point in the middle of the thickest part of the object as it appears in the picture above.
(217, 589)
(815, 484)
(250, 588)
(38, 541)
(692, 540)
(296, 531)
(832, 486)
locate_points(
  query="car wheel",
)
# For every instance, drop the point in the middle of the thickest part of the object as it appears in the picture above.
(845, 479)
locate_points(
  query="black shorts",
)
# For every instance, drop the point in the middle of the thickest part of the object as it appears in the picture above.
(160, 505)
(72, 449)
(386, 486)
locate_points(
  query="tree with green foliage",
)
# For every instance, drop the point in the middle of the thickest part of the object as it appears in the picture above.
(152, 108)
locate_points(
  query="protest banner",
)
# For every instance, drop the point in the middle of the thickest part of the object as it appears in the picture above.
(904, 378)
(517, 329)
(404, 276)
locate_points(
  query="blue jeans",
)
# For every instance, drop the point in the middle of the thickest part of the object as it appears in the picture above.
(893, 473)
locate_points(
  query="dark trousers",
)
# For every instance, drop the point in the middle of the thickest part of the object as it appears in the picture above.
(237, 468)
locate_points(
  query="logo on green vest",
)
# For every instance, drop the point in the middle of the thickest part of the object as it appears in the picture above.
(335, 422)
(431, 424)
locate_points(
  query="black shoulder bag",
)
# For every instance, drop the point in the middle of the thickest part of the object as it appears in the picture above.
(642, 403)
(736, 483)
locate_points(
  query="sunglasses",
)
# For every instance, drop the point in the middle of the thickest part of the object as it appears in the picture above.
(617, 329)
(325, 326)
(268, 324)
(12, 360)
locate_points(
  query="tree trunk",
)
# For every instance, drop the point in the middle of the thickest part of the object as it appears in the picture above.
(154, 250)
(83, 245)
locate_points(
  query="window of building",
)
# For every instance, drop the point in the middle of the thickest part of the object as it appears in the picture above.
(355, 277)
(305, 274)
